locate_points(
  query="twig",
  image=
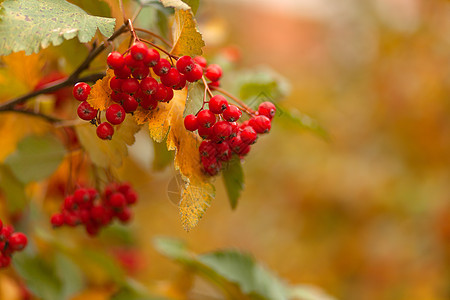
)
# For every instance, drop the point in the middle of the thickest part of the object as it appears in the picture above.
(154, 35)
(130, 25)
(34, 114)
(206, 86)
(159, 48)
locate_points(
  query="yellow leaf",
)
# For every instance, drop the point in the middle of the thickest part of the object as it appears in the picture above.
(14, 127)
(100, 96)
(108, 153)
(187, 38)
(9, 289)
(198, 191)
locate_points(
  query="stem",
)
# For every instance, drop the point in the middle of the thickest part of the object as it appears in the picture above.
(34, 114)
(207, 87)
(159, 48)
(154, 35)
(246, 108)
(123, 11)
(73, 78)
(130, 25)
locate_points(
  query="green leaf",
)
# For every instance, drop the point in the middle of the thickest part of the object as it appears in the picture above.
(36, 158)
(128, 293)
(194, 101)
(38, 275)
(233, 178)
(261, 85)
(162, 156)
(28, 25)
(292, 118)
(70, 275)
(172, 248)
(307, 292)
(13, 189)
(251, 277)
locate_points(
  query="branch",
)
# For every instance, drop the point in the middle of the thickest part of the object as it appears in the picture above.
(72, 79)
(34, 114)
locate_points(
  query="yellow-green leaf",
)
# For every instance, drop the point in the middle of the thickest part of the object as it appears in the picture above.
(187, 38)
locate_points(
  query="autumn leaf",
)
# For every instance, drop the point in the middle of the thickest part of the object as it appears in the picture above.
(108, 153)
(187, 38)
(167, 120)
(100, 98)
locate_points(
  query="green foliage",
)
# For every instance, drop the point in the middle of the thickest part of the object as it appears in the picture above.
(36, 158)
(132, 290)
(237, 274)
(29, 25)
(13, 189)
(57, 280)
(162, 156)
(233, 178)
(294, 119)
(194, 99)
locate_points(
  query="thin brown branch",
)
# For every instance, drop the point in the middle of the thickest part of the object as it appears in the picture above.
(159, 48)
(33, 114)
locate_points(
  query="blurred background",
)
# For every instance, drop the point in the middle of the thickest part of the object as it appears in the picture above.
(365, 215)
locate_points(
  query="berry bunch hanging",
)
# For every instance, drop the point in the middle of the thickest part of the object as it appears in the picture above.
(10, 242)
(87, 207)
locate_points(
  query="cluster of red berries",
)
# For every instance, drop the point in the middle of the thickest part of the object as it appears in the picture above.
(223, 135)
(10, 242)
(134, 86)
(92, 210)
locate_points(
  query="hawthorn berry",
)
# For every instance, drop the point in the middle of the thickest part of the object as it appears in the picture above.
(116, 84)
(218, 104)
(213, 72)
(149, 103)
(248, 135)
(261, 124)
(172, 77)
(123, 72)
(181, 84)
(205, 133)
(190, 123)
(117, 96)
(131, 63)
(208, 149)
(195, 74)
(81, 91)
(117, 200)
(115, 114)
(161, 92)
(169, 94)
(17, 241)
(201, 61)
(140, 72)
(57, 220)
(222, 130)
(162, 67)
(115, 60)
(152, 57)
(149, 85)
(223, 151)
(138, 51)
(86, 112)
(105, 131)
(130, 85)
(130, 104)
(206, 118)
(267, 109)
(185, 64)
(232, 113)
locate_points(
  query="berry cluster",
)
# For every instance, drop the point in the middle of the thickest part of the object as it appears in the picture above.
(10, 242)
(133, 84)
(223, 135)
(88, 208)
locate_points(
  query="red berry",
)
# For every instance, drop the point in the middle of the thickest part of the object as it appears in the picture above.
(81, 91)
(200, 60)
(172, 77)
(117, 200)
(213, 72)
(117, 96)
(130, 104)
(245, 149)
(236, 144)
(235, 129)
(105, 131)
(140, 96)
(140, 72)
(86, 112)
(115, 60)
(195, 74)
(190, 123)
(123, 72)
(205, 133)
(93, 194)
(69, 203)
(18, 241)
(149, 85)
(214, 84)
(5, 260)
(130, 85)
(131, 63)
(92, 229)
(218, 104)
(131, 197)
(6, 232)
(124, 215)
(207, 149)
(181, 84)
(261, 124)
(232, 113)
(162, 67)
(222, 130)
(124, 187)
(149, 103)
(206, 118)
(98, 212)
(185, 64)
(138, 51)
(57, 220)
(161, 92)
(81, 196)
(223, 151)
(152, 57)
(211, 165)
(115, 114)
(248, 135)
(1, 225)
(116, 84)
(169, 94)
(267, 109)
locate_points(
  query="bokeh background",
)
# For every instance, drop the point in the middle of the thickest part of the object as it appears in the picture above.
(364, 215)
